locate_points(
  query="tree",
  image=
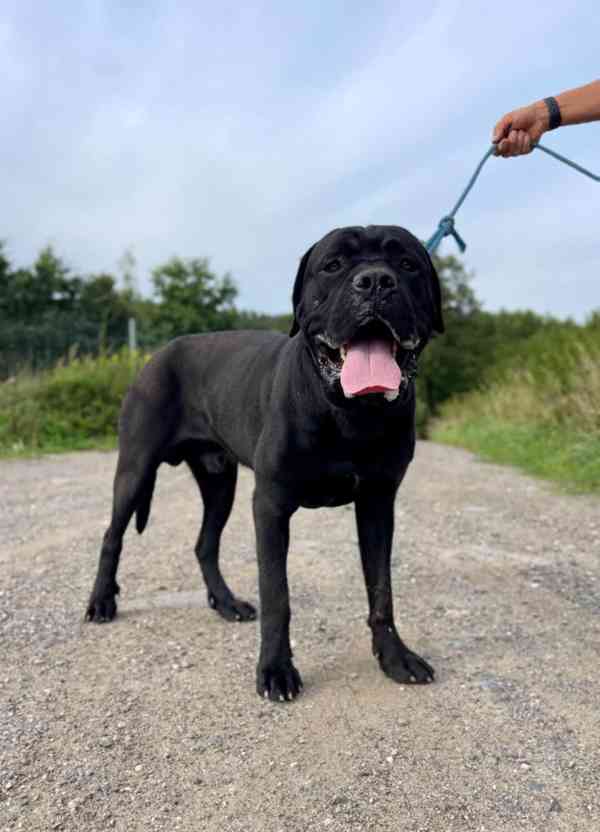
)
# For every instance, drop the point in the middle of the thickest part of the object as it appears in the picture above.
(474, 344)
(593, 320)
(458, 298)
(451, 363)
(29, 294)
(191, 298)
(100, 302)
(5, 282)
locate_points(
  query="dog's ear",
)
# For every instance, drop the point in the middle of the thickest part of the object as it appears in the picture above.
(436, 293)
(298, 289)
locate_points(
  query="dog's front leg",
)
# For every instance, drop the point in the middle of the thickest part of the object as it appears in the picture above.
(375, 523)
(276, 677)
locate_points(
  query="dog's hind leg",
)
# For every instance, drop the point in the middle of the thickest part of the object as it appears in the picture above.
(132, 480)
(216, 476)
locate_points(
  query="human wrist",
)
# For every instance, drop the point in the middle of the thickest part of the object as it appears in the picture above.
(554, 113)
(542, 115)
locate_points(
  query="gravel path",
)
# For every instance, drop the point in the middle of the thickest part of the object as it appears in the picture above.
(152, 722)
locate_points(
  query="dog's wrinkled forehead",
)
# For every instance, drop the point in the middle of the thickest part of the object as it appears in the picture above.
(370, 241)
(328, 272)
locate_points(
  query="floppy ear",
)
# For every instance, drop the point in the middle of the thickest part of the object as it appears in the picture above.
(436, 291)
(298, 288)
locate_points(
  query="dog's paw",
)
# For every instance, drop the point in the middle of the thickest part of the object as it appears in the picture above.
(405, 667)
(279, 682)
(232, 609)
(102, 606)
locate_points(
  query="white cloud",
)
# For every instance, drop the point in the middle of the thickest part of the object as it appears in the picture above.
(246, 133)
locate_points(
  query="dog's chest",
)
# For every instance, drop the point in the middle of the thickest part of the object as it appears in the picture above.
(332, 480)
(326, 483)
(329, 467)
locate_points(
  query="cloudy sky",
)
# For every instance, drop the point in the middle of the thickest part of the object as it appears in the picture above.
(244, 131)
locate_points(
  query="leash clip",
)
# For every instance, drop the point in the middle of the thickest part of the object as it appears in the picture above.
(449, 221)
(445, 229)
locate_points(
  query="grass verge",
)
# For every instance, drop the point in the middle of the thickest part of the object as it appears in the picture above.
(569, 458)
(539, 411)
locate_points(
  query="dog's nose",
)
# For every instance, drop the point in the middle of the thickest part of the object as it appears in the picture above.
(373, 281)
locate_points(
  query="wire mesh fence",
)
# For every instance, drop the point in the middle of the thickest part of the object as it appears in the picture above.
(36, 347)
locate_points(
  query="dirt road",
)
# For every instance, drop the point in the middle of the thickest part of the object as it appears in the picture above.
(152, 722)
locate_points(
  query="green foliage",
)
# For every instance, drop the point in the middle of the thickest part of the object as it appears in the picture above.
(513, 386)
(5, 283)
(450, 364)
(27, 294)
(101, 303)
(539, 407)
(70, 407)
(570, 458)
(191, 298)
(473, 343)
(46, 311)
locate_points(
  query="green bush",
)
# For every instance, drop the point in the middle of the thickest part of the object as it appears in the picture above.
(73, 406)
(539, 408)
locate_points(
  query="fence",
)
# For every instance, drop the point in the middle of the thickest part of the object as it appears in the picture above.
(35, 347)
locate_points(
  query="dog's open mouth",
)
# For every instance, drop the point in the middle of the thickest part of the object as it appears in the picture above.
(372, 361)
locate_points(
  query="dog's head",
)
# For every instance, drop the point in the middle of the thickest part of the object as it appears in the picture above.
(367, 300)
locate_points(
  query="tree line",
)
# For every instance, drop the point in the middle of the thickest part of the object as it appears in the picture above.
(47, 311)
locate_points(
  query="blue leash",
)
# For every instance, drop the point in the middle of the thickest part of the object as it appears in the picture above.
(446, 225)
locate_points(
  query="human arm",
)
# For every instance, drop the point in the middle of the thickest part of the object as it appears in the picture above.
(517, 132)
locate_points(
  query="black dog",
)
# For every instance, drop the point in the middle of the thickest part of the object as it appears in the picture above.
(325, 418)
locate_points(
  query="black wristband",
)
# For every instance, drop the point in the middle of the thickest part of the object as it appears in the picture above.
(555, 118)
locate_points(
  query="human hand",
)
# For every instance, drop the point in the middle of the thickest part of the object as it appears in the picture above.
(519, 131)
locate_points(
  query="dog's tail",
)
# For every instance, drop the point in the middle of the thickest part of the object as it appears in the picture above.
(142, 509)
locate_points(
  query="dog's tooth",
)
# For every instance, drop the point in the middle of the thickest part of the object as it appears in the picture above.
(348, 395)
(390, 395)
(410, 343)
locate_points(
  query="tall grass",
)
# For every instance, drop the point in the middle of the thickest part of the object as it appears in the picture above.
(540, 408)
(73, 406)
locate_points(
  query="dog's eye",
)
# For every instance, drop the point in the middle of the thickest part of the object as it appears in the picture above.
(408, 265)
(332, 266)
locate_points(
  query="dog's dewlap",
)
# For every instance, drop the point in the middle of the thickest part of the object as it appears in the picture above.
(370, 367)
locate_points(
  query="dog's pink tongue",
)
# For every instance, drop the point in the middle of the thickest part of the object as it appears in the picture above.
(369, 367)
